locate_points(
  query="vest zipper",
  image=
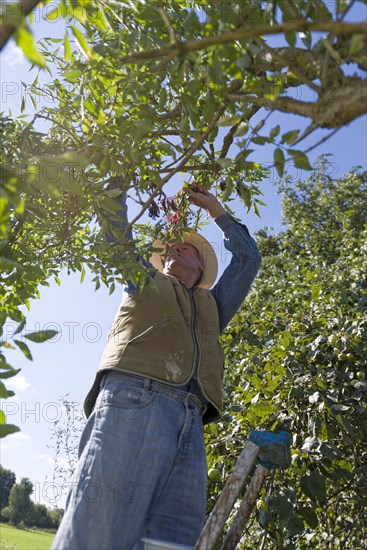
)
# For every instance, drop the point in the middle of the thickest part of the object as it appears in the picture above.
(197, 352)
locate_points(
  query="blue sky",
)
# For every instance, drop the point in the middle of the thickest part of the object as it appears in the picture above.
(67, 364)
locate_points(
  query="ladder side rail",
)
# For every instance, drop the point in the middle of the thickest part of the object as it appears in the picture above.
(236, 529)
(215, 522)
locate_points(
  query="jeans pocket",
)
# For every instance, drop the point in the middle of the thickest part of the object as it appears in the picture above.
(126, 395)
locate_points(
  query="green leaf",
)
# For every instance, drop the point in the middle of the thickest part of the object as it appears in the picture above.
(7, 345)
(72, 75)
(300, 159)
(228, 190)
(213, 134)
(190, 103)
(25, 41)
(291, 38)
(309, 515)
(357, 43)
(313, 485)
(57, 13)
(9, 373)
(257, 382)
(263, 408)
(272, 92)
(306, 38)
(208, 109)
(330, 451)
(229, 121)
(260, 140)
(184, 127)
(41, 335)
(242, 129)
(67, 47)
(2, 417)
(5, 366)
(274, 131)
(24, 348)
(4, 393)
(7, 429)
(342, 473)
(244, 61)
(246, 195)
(242, 155)
(226, 163)
(81, 42)
(101, 20)
(337, 409)
(162, 97)
(3, 208)
(19, 208)
(290, 137)
(20, 327)
(82, 274)
(282, 506)
(279, 161)
(295, 525)
(7, 264)
(216, 72)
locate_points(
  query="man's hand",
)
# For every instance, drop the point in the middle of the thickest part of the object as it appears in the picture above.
(201, 197)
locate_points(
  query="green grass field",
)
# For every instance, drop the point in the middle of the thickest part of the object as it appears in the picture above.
(12, 538)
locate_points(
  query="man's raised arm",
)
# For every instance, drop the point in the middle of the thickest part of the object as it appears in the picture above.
(236, 280)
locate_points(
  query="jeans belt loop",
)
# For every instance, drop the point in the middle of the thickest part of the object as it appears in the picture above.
(196, 399)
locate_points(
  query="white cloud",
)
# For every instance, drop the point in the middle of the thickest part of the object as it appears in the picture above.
(44, 457)
(13, 57)
(20, 436)
(18, 383)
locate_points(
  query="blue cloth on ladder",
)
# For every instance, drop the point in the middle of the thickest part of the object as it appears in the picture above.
(274, 450)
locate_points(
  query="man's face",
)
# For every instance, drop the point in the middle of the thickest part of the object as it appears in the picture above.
(183, 256)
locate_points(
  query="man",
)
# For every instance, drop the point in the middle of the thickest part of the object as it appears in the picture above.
(142, 468)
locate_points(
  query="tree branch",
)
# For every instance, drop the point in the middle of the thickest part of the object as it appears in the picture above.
(335, 108)
(274, 60)
(208, 167)
(14, 13)
(285, 63)
(183, 48)
(196, 145)
(167, 22)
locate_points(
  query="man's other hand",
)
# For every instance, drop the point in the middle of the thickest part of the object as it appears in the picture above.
(201, 197)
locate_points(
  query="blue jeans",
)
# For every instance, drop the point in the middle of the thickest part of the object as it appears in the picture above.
(142, 469)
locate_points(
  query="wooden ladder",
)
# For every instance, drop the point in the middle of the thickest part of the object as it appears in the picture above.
(273, 450)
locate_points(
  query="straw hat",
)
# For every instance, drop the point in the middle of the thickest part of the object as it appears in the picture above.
(206, 252)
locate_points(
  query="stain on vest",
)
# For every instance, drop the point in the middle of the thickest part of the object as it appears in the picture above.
(170, 336)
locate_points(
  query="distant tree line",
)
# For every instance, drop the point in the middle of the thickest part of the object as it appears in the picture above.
(16, 506)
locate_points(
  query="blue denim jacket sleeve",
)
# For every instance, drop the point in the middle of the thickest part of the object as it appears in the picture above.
(236, 280)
